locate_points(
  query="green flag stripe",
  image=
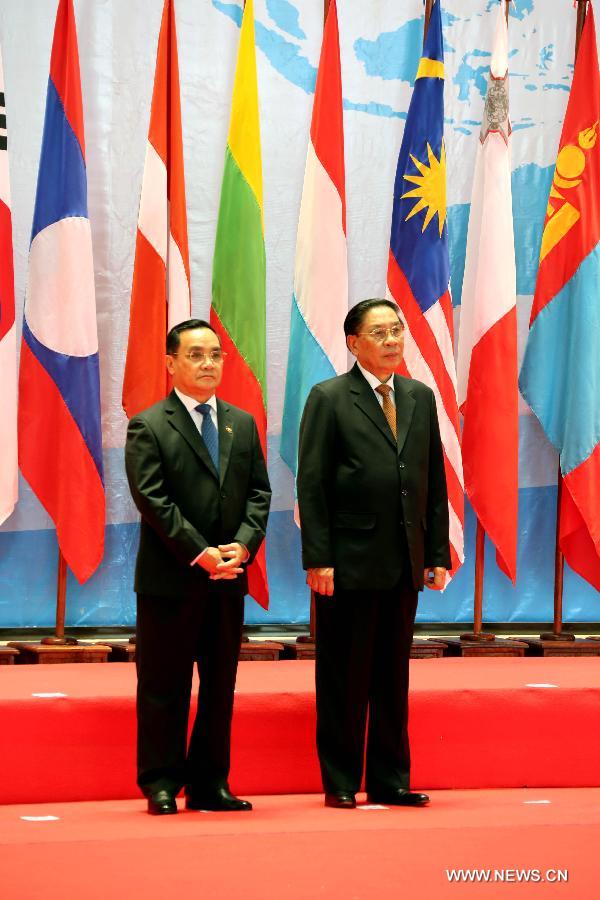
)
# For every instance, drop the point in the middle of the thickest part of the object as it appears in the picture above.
(239, 270)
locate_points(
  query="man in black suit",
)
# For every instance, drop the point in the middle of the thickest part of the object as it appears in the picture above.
(197, 475)
(374, 517)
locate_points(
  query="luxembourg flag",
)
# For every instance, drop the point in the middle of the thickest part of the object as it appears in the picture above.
(8, 341)
(317, 348)
(60, 442)
(560, 376)
(487, 372)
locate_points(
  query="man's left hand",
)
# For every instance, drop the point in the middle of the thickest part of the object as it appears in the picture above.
(235, 554)
(435, 578)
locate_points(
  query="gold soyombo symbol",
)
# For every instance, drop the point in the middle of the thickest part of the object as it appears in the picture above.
(570, 164)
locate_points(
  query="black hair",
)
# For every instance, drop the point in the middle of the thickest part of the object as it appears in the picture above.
(356, 315)
(173, 339)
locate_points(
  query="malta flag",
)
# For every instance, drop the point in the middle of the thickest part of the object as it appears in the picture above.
(418, 267)
(60, 440)
(487, 344)
(238, 312)
(8, 340)
(317, 347)
(160, 294)
(560, 376)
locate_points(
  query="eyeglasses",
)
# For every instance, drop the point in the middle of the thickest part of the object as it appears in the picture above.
(379, 335)
(197, 356)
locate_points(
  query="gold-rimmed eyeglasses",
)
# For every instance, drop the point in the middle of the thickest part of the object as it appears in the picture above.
(198, 356)
(379, 335)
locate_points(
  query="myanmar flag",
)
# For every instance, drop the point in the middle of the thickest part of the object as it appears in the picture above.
(238, 312)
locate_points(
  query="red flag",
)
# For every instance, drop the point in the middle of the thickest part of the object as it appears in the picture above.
(8, 341)
(487, 346)
(160, 293)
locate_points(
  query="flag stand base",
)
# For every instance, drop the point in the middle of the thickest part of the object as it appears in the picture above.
(493, 647)
(477, 636)
(569, 646)
(56, 641)
(37, 652)
(553, 636)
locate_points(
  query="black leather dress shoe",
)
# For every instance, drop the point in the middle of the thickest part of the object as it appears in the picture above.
(219, 800)
(398, 798)
(162, 803)
(340, 800)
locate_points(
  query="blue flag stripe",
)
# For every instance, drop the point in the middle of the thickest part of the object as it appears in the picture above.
(62, 184)
(308, 365)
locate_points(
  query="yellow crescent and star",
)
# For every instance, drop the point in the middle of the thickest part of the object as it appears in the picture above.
(430, 190)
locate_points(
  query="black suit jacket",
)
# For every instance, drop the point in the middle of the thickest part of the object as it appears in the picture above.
(365, 497)
(185, 504)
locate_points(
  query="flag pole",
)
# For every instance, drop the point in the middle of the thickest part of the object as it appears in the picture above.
(61, 601)
(557, 633)
(428, 5)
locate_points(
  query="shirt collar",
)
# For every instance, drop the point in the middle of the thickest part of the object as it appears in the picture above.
(373, 380)
(191, 403)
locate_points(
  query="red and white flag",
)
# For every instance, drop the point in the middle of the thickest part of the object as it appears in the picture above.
(160, 294)
(487, 345)
(8, 341)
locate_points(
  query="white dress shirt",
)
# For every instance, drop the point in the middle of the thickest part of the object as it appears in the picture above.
(375, 382)
(190, 404)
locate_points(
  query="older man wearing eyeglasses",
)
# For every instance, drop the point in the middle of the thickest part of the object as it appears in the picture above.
(197, 475)
(374, 517)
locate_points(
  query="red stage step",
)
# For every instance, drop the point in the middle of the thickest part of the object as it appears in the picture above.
(292, 847)
(68, 732)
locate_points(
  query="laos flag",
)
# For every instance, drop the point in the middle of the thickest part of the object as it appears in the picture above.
(560, 376)
(60, 443)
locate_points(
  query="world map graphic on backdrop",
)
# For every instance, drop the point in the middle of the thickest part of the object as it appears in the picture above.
(393, 56)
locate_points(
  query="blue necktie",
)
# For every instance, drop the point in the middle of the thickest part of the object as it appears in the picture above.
(209, 433)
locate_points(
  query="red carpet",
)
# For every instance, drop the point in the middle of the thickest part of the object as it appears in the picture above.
(294, 848)
(474, 724)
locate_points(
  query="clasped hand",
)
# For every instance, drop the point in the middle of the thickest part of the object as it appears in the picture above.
(223, 563)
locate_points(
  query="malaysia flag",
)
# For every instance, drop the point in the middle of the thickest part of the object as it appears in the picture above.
(419, 268)
(60, 441)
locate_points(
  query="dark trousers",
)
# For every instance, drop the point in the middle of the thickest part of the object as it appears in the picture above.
(172, 634)
(363, 641)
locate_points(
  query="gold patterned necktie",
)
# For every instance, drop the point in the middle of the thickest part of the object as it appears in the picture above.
(389, 410)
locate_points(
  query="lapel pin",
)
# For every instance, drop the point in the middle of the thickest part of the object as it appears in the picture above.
(229, 429)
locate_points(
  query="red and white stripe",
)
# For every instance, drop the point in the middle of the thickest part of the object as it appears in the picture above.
(487, 346)
(8, 343)
(429, 357)
(160, 293)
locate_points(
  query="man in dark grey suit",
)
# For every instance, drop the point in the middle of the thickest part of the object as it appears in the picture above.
(197, 475)
(374, 517)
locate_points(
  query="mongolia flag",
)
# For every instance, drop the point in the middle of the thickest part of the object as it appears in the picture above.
(488, 392)
(560, 376)
(238, 312)
(160, 294)
(60, 441)
(8, 341)
(418, 266)
(317, 347)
